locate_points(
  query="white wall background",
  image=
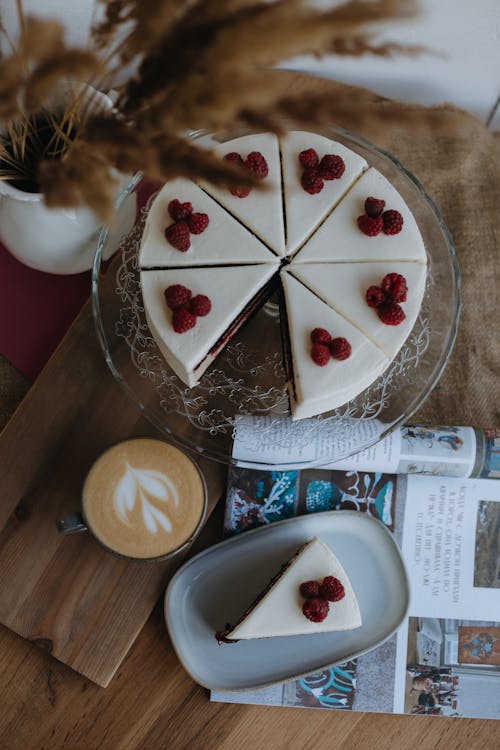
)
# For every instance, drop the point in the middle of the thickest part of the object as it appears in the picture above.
(465, 33)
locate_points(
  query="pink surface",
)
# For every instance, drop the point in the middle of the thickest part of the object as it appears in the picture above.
(36, 308)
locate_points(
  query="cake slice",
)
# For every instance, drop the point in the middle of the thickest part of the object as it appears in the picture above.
(340, 239)
(224, 241)
(262, 210)
(305, 211)
(316, 389)
(343, 286)
(278, 610)
(234, 293)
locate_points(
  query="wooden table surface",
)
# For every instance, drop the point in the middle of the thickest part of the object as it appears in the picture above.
(153, 704)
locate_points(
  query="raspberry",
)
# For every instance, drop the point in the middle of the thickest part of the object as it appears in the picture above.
(183, 320)
(309, 158)
(178, 210)
(200, 305)
(395, 287)
(178, 236)
(257, 165)
(374, 296)
(320, 336)
(393, 222)
(312, 182)
(370, 227)
(235, 158)
(374, 206)
(331, 167)
(320, 354)
(332, 589)
(177, 295)
(309, 589)
(340, 348)
(239, 192)
(315, 609)
(197, 223)
(391, 313)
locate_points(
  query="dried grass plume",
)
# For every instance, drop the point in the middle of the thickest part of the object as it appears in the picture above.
(181, 65)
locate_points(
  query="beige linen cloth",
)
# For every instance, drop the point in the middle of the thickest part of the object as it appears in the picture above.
(459, 166)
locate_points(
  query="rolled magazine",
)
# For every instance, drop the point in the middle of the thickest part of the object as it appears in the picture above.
(411, 449)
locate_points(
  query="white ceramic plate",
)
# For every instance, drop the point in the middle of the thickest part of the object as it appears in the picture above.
(217, 585)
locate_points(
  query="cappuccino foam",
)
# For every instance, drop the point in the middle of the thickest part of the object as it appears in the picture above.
(143, 498)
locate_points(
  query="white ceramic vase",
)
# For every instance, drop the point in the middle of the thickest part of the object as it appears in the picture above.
(61, 241)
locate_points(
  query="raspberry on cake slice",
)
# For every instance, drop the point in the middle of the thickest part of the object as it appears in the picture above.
(308, 158)
(371, 223)
(177, 235)
(177, 295)
(331, 167)
(374, 206)
(317, 173)
(386, 298)
(281, 609)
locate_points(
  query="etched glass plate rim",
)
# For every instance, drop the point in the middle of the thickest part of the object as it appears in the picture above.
(216, 380)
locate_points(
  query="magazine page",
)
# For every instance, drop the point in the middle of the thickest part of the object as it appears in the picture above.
(449, 532)
(411, 449)
(448, 651)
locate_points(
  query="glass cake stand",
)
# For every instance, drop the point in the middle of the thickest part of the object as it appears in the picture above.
(245, 389)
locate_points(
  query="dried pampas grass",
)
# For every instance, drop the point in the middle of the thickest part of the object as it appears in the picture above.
(189, 64)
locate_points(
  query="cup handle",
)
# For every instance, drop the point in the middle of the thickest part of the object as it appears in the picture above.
(73, 523)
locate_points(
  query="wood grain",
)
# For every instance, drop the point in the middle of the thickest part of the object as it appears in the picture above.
(67, 594)
(152, 704)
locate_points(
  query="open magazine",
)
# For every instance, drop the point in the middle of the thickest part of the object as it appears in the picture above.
(445, 658)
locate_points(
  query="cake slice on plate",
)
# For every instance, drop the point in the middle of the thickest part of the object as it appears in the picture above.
(344, 287)
(340, 237)
(319, 386)
(305, 210)
(261, 210)
(193, 312)
(196, 231)
(286, 607)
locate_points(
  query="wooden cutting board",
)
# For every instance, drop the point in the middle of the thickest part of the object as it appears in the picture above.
(67, 594)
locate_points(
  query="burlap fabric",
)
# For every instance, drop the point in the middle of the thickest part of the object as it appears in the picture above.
(459, 167)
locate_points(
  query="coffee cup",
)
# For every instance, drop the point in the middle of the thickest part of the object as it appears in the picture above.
(142, 499)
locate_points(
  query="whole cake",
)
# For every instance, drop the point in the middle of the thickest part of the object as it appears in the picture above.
(311, 594)
(332, 234)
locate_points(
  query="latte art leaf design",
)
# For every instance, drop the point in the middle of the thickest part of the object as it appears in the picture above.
(144, 486)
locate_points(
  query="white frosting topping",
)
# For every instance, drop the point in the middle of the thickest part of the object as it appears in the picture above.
(343, 286)
(279, 612)
(262, 210)
(303, 211)
(224, 241)
(319, 389)
(340, 239)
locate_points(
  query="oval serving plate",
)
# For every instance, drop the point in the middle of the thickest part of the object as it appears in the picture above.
(217, 585)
